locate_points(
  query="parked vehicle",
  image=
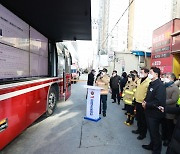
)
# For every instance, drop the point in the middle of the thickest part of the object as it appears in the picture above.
(34, 75)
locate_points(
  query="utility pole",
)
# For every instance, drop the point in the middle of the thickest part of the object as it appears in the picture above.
(114, 60)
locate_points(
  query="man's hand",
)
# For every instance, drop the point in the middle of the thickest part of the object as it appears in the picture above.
(100, 83)
(161, 108)
(144, 104)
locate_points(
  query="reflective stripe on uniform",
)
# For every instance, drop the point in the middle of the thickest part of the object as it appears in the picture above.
(129, 92)
(129, 102)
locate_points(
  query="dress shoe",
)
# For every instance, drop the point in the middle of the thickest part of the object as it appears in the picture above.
(128, 123)
(113, 102)
(141, 137)
(147, 147)
(104, 114)
(118, 103)
(135, 131)
(123, 109)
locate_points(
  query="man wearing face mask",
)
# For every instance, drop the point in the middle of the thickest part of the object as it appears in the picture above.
(156, 96)
(114, 84)
(140, 94)
(90, 81)
(103, 82)
(172, 95)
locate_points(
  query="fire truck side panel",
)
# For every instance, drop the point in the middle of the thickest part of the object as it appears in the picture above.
(21, 106)
(14, 110)
(36, 104)
(61, 96)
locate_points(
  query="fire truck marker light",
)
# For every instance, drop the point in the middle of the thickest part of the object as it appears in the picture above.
(3, 121)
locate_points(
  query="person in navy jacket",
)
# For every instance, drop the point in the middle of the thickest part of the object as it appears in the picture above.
(156, 96)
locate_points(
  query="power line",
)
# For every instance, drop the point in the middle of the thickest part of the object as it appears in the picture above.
(144, 45)
(118, 21)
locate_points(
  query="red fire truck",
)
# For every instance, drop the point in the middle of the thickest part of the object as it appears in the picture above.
(34, 75)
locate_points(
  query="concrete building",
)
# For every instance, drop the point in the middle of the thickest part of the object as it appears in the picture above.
(104, 27)
(134, 30)
(130, 33)
(175, 9)
(152, 15)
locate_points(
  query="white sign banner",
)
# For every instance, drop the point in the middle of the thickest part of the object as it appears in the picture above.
(93, 103)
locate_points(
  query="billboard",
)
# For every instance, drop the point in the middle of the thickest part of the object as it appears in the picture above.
(14, 62)
(38, 53)
(13, 31)
(23, 50)
(161, 48)
(38, 43)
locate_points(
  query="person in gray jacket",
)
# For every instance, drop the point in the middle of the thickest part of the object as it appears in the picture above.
(172, 95)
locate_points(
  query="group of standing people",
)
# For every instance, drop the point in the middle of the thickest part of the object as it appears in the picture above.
(149, 98)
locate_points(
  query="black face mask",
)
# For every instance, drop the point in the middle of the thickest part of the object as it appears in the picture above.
(167, 84)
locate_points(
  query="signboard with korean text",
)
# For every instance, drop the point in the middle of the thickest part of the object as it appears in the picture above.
(161, 48)
(23, 50)
(13, 31)
(93, 103)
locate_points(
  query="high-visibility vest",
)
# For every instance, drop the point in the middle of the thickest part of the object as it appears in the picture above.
(178, 102)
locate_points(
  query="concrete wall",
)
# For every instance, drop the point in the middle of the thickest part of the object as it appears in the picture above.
(127, 61)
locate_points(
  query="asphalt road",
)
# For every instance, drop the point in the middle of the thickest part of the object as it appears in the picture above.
(67, 132)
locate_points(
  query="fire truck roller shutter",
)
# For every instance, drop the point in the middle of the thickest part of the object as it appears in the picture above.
(53, 97)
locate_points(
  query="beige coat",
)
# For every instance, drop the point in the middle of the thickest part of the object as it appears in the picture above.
(103, 83)
(141, 90)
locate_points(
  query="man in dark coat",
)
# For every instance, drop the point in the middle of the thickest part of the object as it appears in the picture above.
(156, 96)
(90, 81)
(123, 82)
(174, 145)
(114, 84)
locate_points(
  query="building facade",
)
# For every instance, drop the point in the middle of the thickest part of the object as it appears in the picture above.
(133, 30)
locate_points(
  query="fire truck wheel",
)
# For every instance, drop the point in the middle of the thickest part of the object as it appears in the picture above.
(52, 100)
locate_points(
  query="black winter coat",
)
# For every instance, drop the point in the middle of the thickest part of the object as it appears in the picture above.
(123, 83)
(115, 82)
(156, 96)
(90, 79)
(174, 146)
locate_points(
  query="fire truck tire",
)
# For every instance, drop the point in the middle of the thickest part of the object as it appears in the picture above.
(52, 100)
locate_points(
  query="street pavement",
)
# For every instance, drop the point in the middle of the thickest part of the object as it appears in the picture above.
(67, 132)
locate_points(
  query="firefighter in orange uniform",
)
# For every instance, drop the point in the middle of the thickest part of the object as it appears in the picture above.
(128, 98)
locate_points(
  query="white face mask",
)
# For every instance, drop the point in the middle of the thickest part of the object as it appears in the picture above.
(141, 75)
(162, 79)
(150, 76)
(114, 74)
(166, 80)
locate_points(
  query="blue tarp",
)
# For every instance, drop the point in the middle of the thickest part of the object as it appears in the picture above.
(141, 53)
